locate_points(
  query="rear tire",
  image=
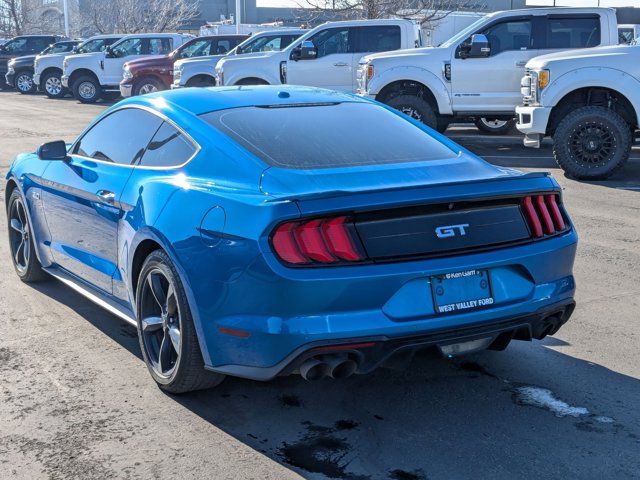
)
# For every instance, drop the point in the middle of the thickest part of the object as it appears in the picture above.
(86, 89)
(415, 107)
(52, 85)
(23, 253)
(166, 332)
(494, 126)
(592, 143)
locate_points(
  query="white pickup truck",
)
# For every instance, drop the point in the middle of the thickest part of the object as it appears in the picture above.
(201, 72)
(476, 73)
(326, 56)
(589, 102)
(47, 73)
(91, 76)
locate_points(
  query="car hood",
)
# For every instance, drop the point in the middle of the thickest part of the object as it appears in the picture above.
(597, 55)
(299, 184)
(250, 57)
(155, 61)
(26, 60)
(212, 59)
(86, 56)
(53, 55)
(407, 54)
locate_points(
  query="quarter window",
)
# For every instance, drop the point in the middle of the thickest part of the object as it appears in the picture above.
(120, 138)
(168, 148)
(573, 32)
(383, 38)
(506, 36)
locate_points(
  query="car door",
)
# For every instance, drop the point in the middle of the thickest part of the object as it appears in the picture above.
(81, 197)
(492, 84)
(128, 50)
(333, 66)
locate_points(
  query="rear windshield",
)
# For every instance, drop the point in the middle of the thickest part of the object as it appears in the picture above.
(327, 135)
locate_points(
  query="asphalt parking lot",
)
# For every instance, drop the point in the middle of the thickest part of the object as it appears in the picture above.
(76, 401)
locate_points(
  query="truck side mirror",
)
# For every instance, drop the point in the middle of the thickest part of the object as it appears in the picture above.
(308, 51)
(56, 150)
(479, 46)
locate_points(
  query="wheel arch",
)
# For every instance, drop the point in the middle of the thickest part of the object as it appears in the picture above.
(12, 184)
(252, 81)
(201, 77)
(593, 96)
(147, 241)
(79, 72)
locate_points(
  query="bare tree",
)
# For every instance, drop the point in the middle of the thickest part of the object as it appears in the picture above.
(423, 11)
(136, 16)
(15, 16)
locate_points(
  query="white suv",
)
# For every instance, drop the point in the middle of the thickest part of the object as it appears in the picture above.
(91, 76)
(48, 68)
(326, 56)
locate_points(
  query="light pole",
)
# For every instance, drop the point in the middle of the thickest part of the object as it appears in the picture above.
(65, 9)
(238, 16)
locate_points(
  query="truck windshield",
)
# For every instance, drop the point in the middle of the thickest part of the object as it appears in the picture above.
(330, 135)
(464, 34)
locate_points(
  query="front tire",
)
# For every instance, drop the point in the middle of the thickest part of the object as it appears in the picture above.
(147, 85)
(23, 254)
(24, 83)
(493, 126)
(166, 332)
(415, 107)
(52, 85)
(591, 143)
(86, 89)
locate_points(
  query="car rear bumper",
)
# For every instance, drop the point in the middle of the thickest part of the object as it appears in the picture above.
(371, 352)
(269, 317)
(532, 121)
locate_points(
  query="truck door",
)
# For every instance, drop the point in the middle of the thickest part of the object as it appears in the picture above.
(492, 84)
(332, 67)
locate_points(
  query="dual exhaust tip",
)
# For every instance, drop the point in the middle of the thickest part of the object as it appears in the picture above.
(332, 366)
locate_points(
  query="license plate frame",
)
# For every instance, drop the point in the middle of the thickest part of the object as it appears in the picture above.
(448, 291)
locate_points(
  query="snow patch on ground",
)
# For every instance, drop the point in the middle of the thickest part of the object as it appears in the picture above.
(543, 398)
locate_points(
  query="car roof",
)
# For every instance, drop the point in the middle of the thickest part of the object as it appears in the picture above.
(203, 100)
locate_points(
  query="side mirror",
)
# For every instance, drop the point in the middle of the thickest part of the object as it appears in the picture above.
(53, 150)
(479, 46)
(308, 51)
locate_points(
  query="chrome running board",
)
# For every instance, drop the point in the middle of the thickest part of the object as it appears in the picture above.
(93, 295)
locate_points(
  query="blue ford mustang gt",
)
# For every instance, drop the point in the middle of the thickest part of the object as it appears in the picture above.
(264, 231)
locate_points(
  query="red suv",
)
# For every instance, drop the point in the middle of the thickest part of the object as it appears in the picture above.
(146, 75)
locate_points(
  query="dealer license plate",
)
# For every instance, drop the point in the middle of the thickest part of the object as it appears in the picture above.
(461, 291)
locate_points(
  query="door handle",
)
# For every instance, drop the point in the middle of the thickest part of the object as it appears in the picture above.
(105, 196)
(521, 64)
(340, 64)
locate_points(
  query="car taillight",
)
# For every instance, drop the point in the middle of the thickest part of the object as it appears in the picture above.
(543, 215)
(318, 241)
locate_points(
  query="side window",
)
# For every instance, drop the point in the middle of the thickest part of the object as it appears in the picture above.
(120, 137)
(220, 47)
(131, 46)
(287, 40)
(16, 46)
(572, 32)
(159, 46)
(37, 44)
(383, 38)
(332, 41)
(505, 36)
(168, 148)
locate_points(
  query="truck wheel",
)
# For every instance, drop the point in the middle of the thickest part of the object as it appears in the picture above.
(86, 89)
(443, 124)
(147, 85)
(52, 85)
(493, 126)
(416, 108)
(24, 83)
(592, 143)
